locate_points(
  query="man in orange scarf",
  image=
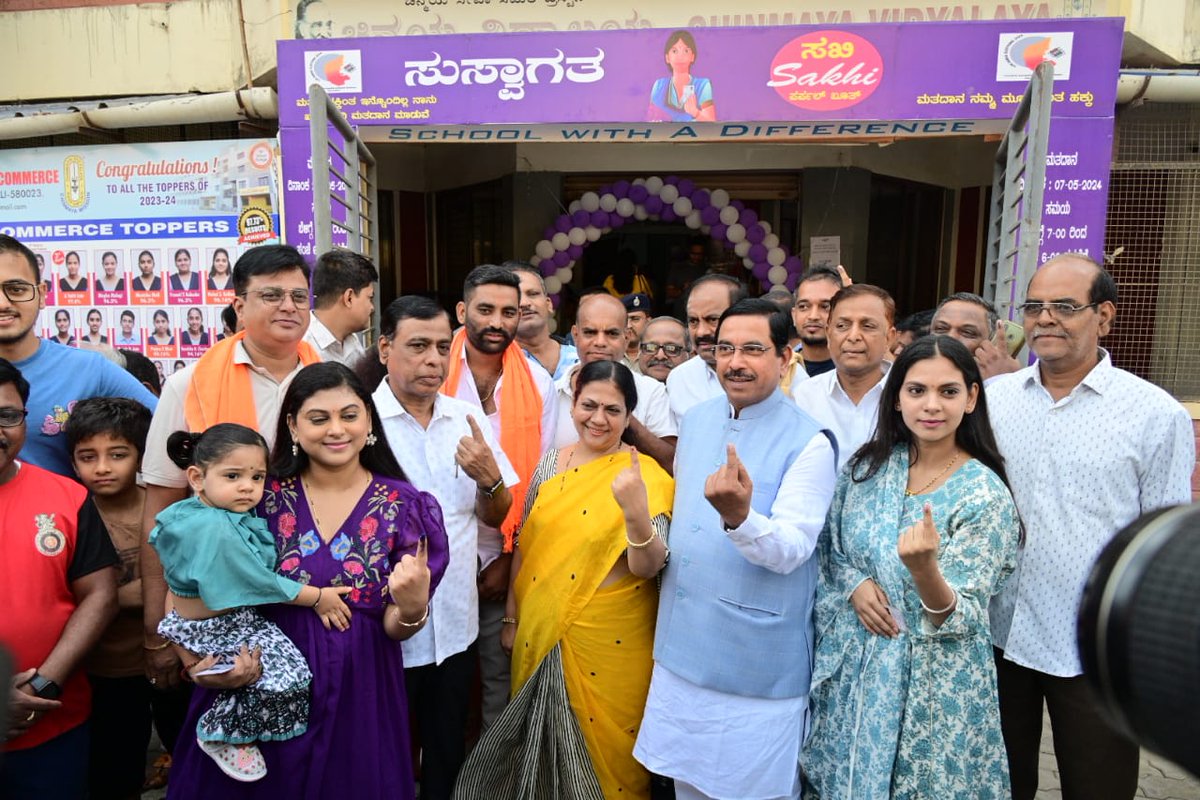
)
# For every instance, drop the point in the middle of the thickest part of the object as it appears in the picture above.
(488, 369)
(241, 379)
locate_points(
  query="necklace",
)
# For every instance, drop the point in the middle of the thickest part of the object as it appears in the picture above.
(936, 478)
(312, 507)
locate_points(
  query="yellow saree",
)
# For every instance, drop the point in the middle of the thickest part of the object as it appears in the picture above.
(574, 534)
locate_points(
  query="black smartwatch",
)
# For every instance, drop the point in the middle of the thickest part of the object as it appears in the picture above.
(45, 688)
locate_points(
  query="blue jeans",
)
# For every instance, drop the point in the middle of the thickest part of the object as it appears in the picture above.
(54, 770)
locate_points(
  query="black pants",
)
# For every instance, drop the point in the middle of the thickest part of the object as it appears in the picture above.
(1094, 761)
(54, 770)
(438, 696)
(122, 712)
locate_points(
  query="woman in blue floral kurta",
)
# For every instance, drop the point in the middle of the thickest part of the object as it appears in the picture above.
(903, 697)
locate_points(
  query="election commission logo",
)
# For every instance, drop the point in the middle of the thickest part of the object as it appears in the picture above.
(1019, 54)
(335, 71)
(48, 540)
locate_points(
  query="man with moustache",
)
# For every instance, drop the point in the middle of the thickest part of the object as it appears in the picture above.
(810, 314)
(728, 700)
(696, 380)
(446, 447)
(846, 400)
(664, 347)
(533, 331)
(1089, 448)
(637, 311)
(600, 333)
(972, 320)
(489, 370)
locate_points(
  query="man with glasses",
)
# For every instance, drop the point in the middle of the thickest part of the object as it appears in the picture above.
(240, 379)
(58, 376)
(728, 699)
(1088, 448)
(663, 347)
(58, 587)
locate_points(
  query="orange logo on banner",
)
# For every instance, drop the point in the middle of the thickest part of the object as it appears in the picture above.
(826, 70)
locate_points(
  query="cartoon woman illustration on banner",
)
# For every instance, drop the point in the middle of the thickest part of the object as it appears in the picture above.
(681, 97)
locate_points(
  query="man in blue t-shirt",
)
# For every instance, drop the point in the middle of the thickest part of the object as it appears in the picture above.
(58, 376)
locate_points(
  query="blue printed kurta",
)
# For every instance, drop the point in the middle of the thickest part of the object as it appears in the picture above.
(915, 716)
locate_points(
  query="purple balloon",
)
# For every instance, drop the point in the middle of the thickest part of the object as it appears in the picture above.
(555, 299)
(575, 251)
(738, 204)
(760, 270)
(701, 199)
(561, 259)
(793, 280)
(673, 180)
(766, 286)
(621, 189)
(755, 233)
(603, 190)
(548, 267)
(758, 253)
(793, 265)
(549, 231)
(599, 219)
(562, 224)
(579, 219)
(718, 231)
(710, 215)
(639, 193)
(616, 220)
(653, 204)
(748, 217)
(668, 214)
(686, 187)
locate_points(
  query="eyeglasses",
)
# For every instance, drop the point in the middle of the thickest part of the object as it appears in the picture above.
(650, 348)
(19, 291)
(273, 296)
(752, 350)
(1056, 310)
(12, 417)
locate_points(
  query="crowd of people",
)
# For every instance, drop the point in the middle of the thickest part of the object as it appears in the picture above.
(771, 551)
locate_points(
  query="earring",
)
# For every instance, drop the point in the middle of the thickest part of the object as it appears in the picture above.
(295, 449)
(371, 440)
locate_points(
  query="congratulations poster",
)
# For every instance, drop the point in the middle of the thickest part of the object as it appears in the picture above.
(136, 243)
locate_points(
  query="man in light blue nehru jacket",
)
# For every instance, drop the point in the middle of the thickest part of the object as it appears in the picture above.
(754, 476)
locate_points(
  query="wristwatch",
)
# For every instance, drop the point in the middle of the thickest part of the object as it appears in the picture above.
(45, 688)
(495, 488)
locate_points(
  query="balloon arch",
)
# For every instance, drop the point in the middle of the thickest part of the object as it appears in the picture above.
(669, 199)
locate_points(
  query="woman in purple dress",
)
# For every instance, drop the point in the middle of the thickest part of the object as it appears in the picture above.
(342, 514)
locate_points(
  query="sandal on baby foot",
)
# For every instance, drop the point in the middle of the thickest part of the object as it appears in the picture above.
(242, 762)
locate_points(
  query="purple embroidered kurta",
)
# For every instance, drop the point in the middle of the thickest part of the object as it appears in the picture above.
(357, 741)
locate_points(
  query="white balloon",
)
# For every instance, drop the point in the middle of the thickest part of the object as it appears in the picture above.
(719, 198)
(776, 275)
(574, 206)
(639, 182)
(570, 265)
(729, 215)
(682, 206)
(736, 232)
(781, 286)
(770, 240)
(608, 202)
(692, 220)
(640, 213)
(577, 236)
(654, 184)
(669, 194)
(564, 274)
(625, 207)
(535, 260)
(749, 262)
(776, 256)
(560, 241)
(552, 324)
(589, 202)
(593, 233)
(766, 226)
(544, 249)
(553, 285)
(742, 248)
(706, 229)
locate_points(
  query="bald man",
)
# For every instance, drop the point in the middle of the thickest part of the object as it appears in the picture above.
(601, 333)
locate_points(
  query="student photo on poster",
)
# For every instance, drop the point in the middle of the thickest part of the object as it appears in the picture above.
(184, 284)
(110, 282)
(64, 332)
(73, 285)
(220, 272)
(47, 278)
(147, 284)
(160, 339)
(96, 330)
(129, 333)
(194, 337)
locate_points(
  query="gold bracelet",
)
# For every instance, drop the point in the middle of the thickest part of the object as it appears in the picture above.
(162, 646)
(637, 546)
(508, 620)
(416, 624)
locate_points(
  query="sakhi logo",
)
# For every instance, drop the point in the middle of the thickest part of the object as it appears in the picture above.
(75, 194)
(826, 70)
(1020, 54)
(336, 71)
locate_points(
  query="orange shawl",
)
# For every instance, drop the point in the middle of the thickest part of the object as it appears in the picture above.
(220, 390)
(520, 405)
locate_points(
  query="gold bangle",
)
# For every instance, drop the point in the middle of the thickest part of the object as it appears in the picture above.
(508, 620)
(162, 646)
(416, 624)
(637, 546)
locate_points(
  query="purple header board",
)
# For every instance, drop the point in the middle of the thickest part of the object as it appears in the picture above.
(812, 82)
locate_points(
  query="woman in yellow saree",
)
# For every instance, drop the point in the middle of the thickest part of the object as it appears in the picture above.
(581, 612)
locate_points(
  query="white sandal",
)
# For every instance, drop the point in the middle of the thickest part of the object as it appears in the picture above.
(242, 762)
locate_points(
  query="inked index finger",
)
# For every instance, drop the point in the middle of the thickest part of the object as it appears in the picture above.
(928, 515)
(633, 460)
(731, 456)
(476, 433)
(423, 551)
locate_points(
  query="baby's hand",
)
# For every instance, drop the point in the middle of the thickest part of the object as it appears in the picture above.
(334, 613)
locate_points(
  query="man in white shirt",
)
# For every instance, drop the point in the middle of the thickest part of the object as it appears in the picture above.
(447, 448)
(1088, 448)
(600, 334)
(695, 380)
(533, 331)
(482, 354)
(343, 286)
(846, 400)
